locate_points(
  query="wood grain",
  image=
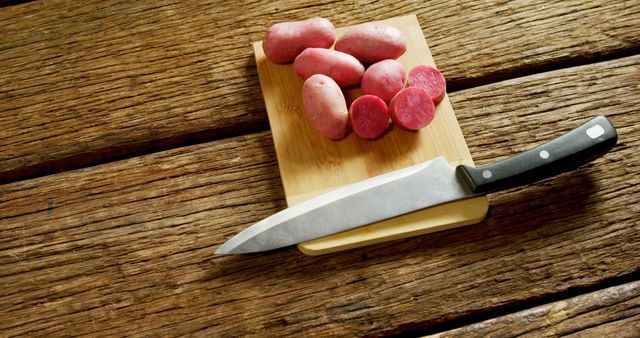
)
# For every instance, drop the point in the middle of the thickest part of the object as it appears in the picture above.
(127, 247)
(611, 312)
(85, 82)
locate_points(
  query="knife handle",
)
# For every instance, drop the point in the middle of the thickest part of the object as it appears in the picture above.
(565, 153)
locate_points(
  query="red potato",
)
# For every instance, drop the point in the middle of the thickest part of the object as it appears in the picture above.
(342, 68)
(372, 42)
(369, 116)
(325, 106)
(429, 79)
(284, 41)
(412, 108)
(384, 79)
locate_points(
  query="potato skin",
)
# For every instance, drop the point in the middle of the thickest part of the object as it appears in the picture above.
(372, 42)
(325, 106)
(284, 41)
(343, 68)
(384, 79)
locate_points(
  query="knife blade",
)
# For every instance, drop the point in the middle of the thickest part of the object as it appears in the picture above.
(420, 186)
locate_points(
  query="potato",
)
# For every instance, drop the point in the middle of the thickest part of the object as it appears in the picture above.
(369, 116)
(372, 42)
(325, 106)
(343, 68)
(284, 41)
(384, 79)
(412, 108)
(430, 79)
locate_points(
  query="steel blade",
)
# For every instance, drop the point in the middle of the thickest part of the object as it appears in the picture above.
(374, 199)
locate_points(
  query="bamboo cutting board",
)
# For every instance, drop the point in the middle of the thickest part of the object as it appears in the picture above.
(310, 164)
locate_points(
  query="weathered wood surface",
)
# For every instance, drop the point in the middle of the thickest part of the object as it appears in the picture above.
(84, 82)
(127, 247)
(611, 312)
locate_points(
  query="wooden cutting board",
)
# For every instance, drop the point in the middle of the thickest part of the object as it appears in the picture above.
(310, 164)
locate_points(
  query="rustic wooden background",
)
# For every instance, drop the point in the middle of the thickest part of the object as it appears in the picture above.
(134, 141)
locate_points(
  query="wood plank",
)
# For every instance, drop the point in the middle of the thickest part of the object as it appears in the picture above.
(611, 312)
(86, 82)
(127, 247)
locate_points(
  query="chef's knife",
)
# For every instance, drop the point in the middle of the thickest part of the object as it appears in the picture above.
(420, 186)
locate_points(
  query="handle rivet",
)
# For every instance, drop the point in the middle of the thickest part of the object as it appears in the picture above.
(544, 154)
(487, 174)
(595, 131)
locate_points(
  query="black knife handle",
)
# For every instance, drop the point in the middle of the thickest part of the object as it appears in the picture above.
(564, 153)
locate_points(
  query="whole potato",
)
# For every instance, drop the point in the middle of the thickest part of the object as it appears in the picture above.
(284, 41)
(384, 79)
(341, 67)
(325, 106)
(372, 42)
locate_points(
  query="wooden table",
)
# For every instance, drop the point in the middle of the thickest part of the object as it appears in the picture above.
(134, 141)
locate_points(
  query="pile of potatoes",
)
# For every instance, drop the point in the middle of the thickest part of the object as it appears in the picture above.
(326, 71)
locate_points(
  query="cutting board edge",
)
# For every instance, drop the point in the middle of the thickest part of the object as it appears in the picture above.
(439, 218)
